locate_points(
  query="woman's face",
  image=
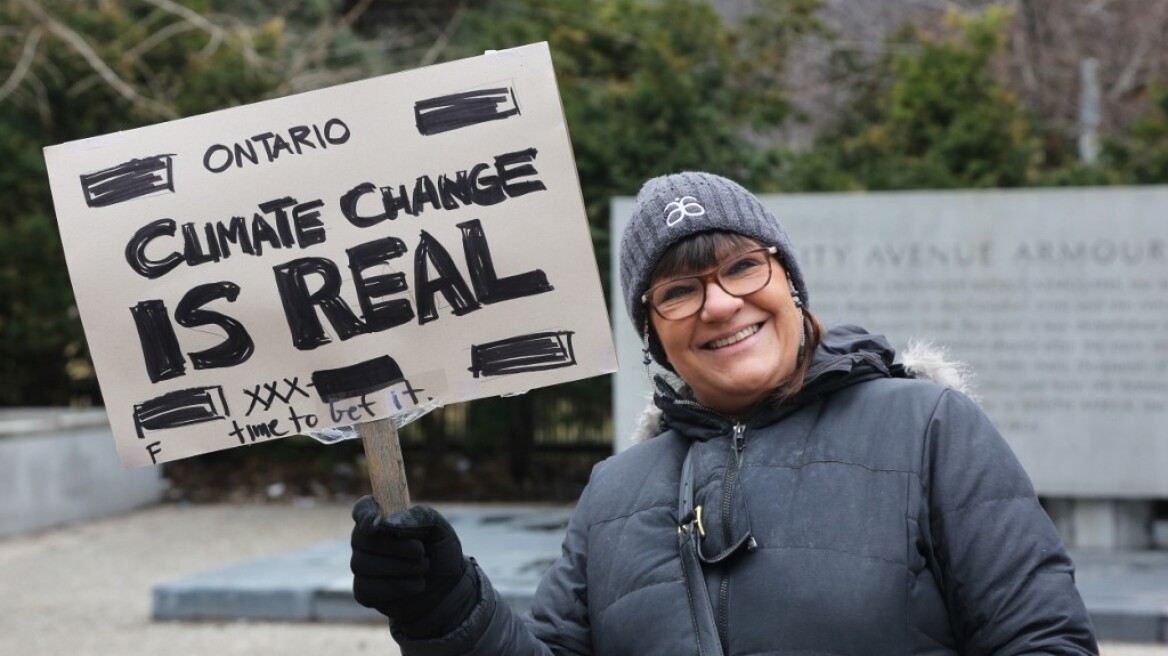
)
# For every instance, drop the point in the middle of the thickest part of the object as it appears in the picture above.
(734, 351)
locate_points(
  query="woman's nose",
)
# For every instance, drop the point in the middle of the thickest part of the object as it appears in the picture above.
(719, 304)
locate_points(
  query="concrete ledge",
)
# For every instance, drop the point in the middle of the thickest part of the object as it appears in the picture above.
(514, 545)
(1126, 593)
(1130, 624)
(59, 465)
(338, 606)
(284, 587)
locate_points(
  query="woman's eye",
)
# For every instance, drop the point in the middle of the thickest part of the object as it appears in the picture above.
(742, 266)
(678, 292)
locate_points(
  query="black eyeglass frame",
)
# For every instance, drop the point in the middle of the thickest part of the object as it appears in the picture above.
(704, 277)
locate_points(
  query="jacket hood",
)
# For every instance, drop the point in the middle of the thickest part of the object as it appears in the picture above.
(846, 355)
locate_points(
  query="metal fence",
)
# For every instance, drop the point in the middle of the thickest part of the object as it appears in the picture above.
(535, 447)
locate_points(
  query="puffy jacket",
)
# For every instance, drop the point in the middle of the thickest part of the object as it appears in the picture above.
(871, 514)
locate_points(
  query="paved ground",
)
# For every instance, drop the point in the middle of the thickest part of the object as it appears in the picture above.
(86, 589)
(514, 544)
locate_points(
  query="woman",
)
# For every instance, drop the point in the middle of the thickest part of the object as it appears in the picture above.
(801, 494)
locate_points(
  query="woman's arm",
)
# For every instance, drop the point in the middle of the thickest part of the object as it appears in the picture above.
(1007, 579)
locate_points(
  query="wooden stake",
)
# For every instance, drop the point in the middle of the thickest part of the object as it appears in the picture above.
(387, 471)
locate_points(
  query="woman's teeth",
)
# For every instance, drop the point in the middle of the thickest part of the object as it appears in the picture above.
(735, 338)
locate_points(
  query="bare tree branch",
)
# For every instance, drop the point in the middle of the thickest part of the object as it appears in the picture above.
(443, 40)
(158, 37)
(78, 43)
(22, 65)
(1127, 78)
(299, 74)
(111, 78)
(239, 36)
(217, 35)
(354, 13)
(1026, 58)
(1096, 7)
(44, 107)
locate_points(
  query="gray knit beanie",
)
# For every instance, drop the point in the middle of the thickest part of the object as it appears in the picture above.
(673, 207)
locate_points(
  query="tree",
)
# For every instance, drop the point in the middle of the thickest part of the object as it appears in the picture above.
(654, 86)
(79, 69)
(935, 118)
(1141, 155)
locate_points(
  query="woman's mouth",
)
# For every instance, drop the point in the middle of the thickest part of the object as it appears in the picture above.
(735, 338)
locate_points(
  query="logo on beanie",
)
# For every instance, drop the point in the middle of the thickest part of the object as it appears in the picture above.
(681, 208)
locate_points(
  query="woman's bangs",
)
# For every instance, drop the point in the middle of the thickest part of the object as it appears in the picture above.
(699, 252)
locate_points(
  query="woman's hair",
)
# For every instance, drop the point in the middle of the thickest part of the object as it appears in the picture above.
(702, 251)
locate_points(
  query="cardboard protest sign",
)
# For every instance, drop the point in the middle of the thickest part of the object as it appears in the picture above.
(333, 257)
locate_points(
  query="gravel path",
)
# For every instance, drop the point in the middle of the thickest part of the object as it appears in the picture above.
(84, 590)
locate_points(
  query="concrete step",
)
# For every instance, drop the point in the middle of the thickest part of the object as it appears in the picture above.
(514, 546)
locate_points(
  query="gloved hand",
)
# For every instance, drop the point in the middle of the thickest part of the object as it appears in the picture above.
(410, 568)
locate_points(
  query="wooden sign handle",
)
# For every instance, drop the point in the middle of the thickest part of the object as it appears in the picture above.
(387, 470)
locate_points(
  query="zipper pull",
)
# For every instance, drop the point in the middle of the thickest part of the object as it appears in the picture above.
(739, 437)
(738, 440)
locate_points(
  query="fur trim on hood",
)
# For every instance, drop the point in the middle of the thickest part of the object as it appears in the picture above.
(927, 361)
(922, 359)
(650, 424)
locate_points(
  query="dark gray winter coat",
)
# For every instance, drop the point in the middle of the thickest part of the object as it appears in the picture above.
(889, 515)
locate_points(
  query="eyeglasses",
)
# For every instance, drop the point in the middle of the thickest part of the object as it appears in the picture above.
(743, 274)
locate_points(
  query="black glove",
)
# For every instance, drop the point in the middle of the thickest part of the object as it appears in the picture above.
(410, 568)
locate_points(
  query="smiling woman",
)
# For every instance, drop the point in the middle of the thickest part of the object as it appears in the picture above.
(797, 491)
(718, 330)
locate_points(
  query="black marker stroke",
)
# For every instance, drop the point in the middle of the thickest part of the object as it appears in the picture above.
(489, 287)
(357, 379)
(534, 352)
(184, 407)
(160, 349)
(464, 109)
(128, 180)
(299, 303)
(238, 345)
(446, 280)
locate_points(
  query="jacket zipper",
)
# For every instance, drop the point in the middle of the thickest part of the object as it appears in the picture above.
(737, 445)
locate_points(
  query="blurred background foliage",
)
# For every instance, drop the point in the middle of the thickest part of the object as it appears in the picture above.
(783, 95)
